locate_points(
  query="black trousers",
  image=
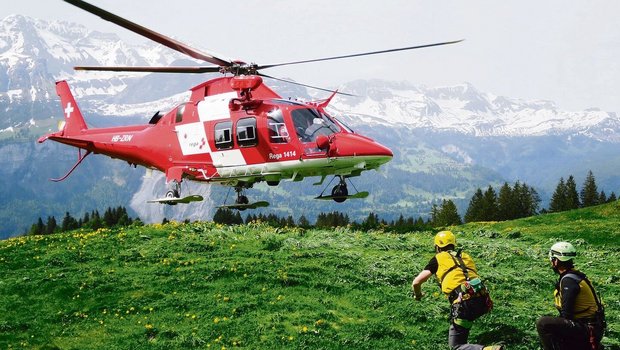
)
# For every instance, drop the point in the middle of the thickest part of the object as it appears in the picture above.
(558, 333)
(457, 338)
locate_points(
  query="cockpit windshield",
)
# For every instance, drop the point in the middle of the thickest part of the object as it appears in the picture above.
(343, 125)
(310, 123)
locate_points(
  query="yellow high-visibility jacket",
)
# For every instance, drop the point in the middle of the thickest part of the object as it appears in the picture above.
(449, 274)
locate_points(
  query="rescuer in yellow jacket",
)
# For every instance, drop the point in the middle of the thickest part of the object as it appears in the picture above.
(581, 323)
(459, 281)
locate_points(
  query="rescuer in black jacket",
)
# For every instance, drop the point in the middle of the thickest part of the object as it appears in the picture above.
(581, 323)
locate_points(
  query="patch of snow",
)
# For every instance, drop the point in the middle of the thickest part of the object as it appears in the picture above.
(14, 94)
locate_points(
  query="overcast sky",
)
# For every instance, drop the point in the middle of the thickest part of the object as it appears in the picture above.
(566, 51)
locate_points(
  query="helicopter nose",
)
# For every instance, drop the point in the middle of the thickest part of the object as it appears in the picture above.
(354, 145)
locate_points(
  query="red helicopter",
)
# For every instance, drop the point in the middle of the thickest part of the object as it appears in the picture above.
(234, 130)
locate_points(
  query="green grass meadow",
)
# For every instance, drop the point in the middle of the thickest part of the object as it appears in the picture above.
(207, 286)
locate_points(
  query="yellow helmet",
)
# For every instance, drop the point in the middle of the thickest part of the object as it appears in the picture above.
(445, 238)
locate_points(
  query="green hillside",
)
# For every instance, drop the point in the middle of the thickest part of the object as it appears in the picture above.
(207, 286)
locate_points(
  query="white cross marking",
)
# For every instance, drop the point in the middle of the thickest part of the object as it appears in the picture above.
(69, 109)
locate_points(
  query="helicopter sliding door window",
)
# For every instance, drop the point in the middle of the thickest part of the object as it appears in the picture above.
(246, 132)
(277, 129)
(223, 135)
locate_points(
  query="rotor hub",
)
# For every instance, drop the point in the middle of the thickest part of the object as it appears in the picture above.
(240, 68)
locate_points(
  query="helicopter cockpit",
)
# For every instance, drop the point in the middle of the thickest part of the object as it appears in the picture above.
(310, 123)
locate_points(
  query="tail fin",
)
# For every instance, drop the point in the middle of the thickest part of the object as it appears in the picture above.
(74, 121)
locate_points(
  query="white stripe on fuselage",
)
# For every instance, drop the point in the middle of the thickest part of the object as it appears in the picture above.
(229, 158)
(215, 107)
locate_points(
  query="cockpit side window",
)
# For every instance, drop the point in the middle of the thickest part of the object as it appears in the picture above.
(179, 114)
(278, 133)
(156, 117)
(310, 123)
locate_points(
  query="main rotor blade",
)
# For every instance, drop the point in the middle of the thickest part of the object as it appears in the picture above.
(359, 54)
(145, 32)
(305, 85)
(152, 69)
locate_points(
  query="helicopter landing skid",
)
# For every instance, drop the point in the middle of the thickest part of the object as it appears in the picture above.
(173, 200)
(360, 195)
(259, 204)
(340, 192)
(242, 202)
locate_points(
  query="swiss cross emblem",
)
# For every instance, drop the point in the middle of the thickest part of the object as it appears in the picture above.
(69, 110)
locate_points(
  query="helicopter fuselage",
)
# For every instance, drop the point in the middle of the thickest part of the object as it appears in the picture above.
(230, 135)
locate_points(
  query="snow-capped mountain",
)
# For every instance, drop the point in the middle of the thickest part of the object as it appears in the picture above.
(464, 109)
(34, 53)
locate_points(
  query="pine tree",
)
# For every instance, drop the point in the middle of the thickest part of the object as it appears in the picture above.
(237, 219)
(612, 198)
(452, 214)
(303, 221)
(589, 192)
(434, 214)
(85, 219)
(68, 223)
(476, 206)
(95, 220)
(527, 200)
(38, 228)
(447, 214)
(490, 208)
(518, 197)
(602, 198)
(332, 219)
(420, 223)
(572, 196)
(51, 225)
(250, 218)
(400, 223)
(505, 203)
(321, 220)
(226, 216)
(371, 222)
(534, 201)
(290, 222)
(123, 217)
(108, 218)
(559, 199)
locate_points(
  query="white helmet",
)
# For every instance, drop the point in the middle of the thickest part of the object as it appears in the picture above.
(562, 251)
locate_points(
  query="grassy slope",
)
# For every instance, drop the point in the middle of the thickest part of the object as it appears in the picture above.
(203, 285)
